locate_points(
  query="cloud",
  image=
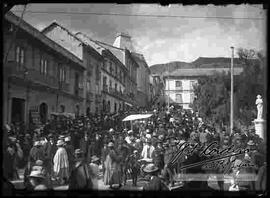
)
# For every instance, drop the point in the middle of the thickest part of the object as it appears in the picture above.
(162, 40)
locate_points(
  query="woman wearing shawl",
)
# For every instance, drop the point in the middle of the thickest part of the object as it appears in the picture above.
(112, 168)
(61, 164)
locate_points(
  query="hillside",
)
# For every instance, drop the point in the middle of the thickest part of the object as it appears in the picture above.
(201, 62)
(160, 68)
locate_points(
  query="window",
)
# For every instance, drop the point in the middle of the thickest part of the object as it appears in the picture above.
(115, 85)
(97, 74)
(88, 86)
(62, 108)
(104, 81)
(192, 84)
(110, 83)
(178, 84)
(179, 98)
(191, 97)
(43, 66)
(20, 56)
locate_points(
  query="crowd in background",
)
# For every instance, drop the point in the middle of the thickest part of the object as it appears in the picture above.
(65, 150)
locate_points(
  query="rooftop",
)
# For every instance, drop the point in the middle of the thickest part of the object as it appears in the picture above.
(201, 72)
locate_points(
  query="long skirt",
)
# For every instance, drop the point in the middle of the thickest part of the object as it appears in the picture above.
(112, 173)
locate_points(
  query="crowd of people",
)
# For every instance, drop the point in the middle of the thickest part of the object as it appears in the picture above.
(77, 152)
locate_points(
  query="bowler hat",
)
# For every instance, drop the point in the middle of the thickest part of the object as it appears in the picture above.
(78, 151)
(37, 174)
(250, 143)
(60, 143)
(150, 168)
(94, 158)
(110, 144)
(39, 162)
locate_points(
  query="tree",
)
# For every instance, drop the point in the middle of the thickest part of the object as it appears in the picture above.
(213, 92)
(251, 83)
(213, 99)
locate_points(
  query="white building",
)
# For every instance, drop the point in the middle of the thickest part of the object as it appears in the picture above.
(179, 83)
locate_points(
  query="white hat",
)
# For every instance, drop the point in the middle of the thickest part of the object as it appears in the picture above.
(60, 143)
(37, 174)
(130, 131)
(67, 139)
(148, 136)
(111, 130)
(138, 140)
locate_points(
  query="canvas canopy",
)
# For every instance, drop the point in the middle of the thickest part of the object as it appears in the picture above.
(68, 115)
(137, 117)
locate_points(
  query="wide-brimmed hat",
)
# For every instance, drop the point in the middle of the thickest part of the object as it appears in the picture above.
(110, 144)
(111, 130)
(39, 163)
(130, 132)
(78, 151)
(148, 131)
(250, 143)
(62, 137)
(37, 143)
(148, 136)
(60, 143)
(94, 158)
(150, 168)
(37, 174)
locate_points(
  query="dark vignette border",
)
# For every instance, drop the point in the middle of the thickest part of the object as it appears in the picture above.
(6, 5)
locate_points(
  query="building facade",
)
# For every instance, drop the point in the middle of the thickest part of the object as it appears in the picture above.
(142, 97)
(92, 61)
(40, 76)
(179, 84)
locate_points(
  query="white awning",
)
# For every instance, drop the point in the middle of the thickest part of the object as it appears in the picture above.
(128, 104)
(137, 117)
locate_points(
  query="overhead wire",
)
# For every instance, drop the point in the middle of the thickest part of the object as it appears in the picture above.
(138, 15)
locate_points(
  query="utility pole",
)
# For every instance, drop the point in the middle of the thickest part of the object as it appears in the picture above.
(231, 119)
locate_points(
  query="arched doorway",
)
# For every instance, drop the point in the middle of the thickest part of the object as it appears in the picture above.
(109, 106)
(104, 105)
(43, 112)
(77, 113)
(88, 111)
(62, 108)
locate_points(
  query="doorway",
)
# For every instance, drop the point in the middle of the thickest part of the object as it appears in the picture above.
(43, 112)
(17, 110)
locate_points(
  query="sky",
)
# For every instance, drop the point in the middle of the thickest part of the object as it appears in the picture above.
(162, 39)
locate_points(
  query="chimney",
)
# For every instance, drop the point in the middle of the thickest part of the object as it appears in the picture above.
(123, 40)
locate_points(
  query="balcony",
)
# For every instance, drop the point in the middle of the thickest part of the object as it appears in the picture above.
(105, 88)
(12, 69)
(98, 98)
(89, 96)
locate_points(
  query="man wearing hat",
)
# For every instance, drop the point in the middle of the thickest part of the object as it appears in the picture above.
(84, 144)
(112, 173)
(155, 183)
(81, 174)
(37, 180)
(133, 166)
(95, 170)
(36, 153)
(128, 138)
(148, 150)
(70, 152)
(61, 164)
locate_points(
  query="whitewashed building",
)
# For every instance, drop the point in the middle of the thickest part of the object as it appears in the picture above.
(179, 84)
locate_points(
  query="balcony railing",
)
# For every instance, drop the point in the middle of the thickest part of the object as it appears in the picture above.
(90, 96)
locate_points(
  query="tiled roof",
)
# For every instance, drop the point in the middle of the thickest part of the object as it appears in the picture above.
(202, 71)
